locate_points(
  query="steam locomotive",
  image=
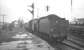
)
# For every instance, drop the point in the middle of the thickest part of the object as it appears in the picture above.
(52, 25)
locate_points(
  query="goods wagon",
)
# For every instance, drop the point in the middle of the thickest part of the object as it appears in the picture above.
(52, 25)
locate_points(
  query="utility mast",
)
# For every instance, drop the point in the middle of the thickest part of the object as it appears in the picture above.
(71, 8)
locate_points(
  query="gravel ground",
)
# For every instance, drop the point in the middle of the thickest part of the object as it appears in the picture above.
(20, 45)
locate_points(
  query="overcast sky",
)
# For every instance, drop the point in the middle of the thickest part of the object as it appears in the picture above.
(14, 9)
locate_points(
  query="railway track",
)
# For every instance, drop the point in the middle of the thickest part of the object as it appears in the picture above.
(64, 45)
(73, 45)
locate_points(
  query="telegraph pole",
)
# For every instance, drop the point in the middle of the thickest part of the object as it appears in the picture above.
(3, 16)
